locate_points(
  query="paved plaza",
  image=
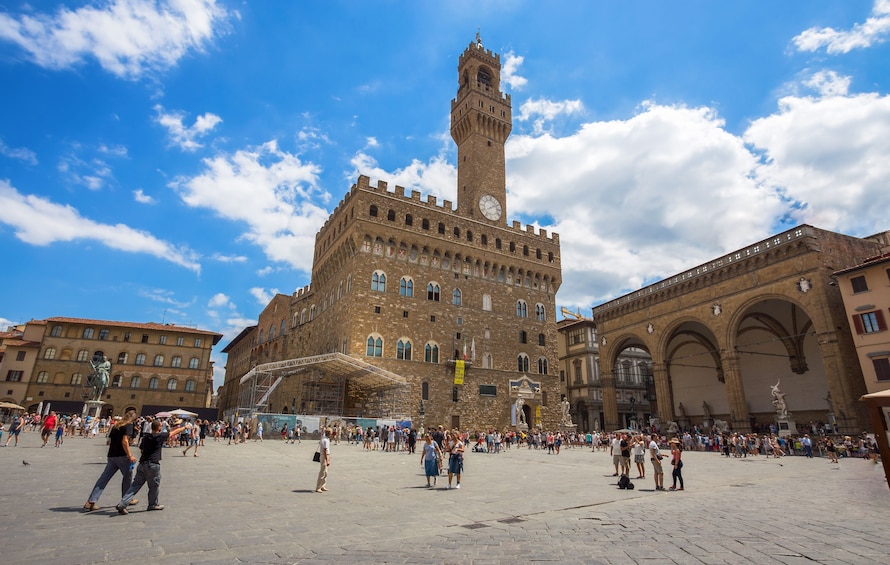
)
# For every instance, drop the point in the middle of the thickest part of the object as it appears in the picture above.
(254, 503)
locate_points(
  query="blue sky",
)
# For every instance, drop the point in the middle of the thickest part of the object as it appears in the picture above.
(172, 160)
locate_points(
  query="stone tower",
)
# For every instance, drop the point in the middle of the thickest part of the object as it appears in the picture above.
(481, 120)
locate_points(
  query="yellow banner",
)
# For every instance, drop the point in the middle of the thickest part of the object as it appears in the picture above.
(458, 372)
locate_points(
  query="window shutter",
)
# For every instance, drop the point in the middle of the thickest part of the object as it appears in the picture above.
(879, 315)
(857, 323)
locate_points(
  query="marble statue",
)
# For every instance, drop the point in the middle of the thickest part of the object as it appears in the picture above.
(706, 410)
(682, 410)
(566, 413)
(779, 400)
(520, 414)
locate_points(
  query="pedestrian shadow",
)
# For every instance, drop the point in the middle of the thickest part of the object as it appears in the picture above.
(304, 490)
(71, 510)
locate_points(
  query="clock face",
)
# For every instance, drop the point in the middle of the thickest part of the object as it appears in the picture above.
(490, 207)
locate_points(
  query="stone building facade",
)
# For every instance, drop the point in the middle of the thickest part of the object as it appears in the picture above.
(151, 365)
(723, 333)
(580, 375)
(415, 286)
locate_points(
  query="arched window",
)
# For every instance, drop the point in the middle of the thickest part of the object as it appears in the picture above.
(425, 224)
(542, 340)
(497, 243)
(56, 331)
(409, 220)
(372, 211)
(153, 383)
(512, 247)
(486, 302)
(42, 377)
(135, 381)
(469, 235)
(483, 239)
(190, 385)
(487, 361)
(140, 359)
(271, 332)
(378, 281)
(424, 390)
(76, 379)
(88, 333)
(523, 337)
(159, 361)
(431, 353)
(455, 297)
(540, 312)
(176, 361)
(542, 366)
(262, 336)
(522, 363)
(521, 309)
(83, 355)
(525, 250)
(50, 353)
(116, 380)
(193, 363)
(538, 253)
(374, 346)
(171, 384)
(406, 287)
(403, 350)
(432, 292)
(122, 358)
(456, 231)
(441, 228)
(303, 315)
(391, 215)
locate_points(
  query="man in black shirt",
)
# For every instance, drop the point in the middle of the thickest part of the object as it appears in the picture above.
(625, 455)
(149, 469)
(119, 459)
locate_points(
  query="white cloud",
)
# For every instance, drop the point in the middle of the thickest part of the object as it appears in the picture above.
(228, 258)
(864, 35)
(5, 324)
(165, 296)
(829, 83)
(127, 37)
(267, 189)
(265, 271)
(372, 142)
(93, 173)
(262, 296)
(543, 111)
(436, 177)
(638, 199)
(831, 157)
(142, 198)
(38, 221)
(20, 153)
(510, 69)
(220, 300)
(113, 150)
(186, 136)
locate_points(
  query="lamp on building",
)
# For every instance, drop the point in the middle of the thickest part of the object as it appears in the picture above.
(422, 414)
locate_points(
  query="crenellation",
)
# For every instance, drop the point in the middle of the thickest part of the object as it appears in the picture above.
(400, 190)
(431, 200)
(415, 195)
(447, 205)
(517, 225)
(381, 185)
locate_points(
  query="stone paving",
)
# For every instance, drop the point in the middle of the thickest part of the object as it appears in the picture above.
(254, 503)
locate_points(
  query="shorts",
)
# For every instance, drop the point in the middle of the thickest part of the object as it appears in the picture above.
(455, 464)
(639, 459)
(656, 464)
(45, 432)
(616, 460)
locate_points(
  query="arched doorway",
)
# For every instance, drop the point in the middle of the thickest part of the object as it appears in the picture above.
(692, 360)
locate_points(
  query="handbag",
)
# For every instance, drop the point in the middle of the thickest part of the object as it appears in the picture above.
(317, 457)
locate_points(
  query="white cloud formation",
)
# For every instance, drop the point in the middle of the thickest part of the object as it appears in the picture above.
(228, 258)
(830, 155)
(186, 136)
(20, 153)
(165, 296)
(638, 199)
(113, 150)
(38, 221)
(220, 300)
(543, 111)
(5, 324)
(510, 70)
(142, 198)
(92, 173)
(875, 30)
(267, 189)
(437, 177)
(127, 37)
(262, 296)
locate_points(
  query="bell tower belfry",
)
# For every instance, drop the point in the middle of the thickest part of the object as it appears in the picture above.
(481, 120)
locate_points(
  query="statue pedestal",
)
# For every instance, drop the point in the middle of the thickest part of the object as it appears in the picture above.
(786, 425)
(93, 408)
(522, 427)
(684, 424)
(568, 429)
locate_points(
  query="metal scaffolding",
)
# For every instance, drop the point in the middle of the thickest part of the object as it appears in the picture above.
(330, 384)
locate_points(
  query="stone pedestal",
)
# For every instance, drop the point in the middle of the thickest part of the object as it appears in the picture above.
(93, 408)
(568, 429)
(786, 426)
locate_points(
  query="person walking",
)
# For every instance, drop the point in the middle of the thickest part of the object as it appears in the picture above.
(430, 459)
(677, 463)
(324, 450)
(455, 458)
(192, 433)
(119, 459)
(639, 448)
(18, 423)
(149, 469)
(49, 426)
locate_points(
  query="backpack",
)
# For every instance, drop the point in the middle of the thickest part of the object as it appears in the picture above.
(624, 482)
